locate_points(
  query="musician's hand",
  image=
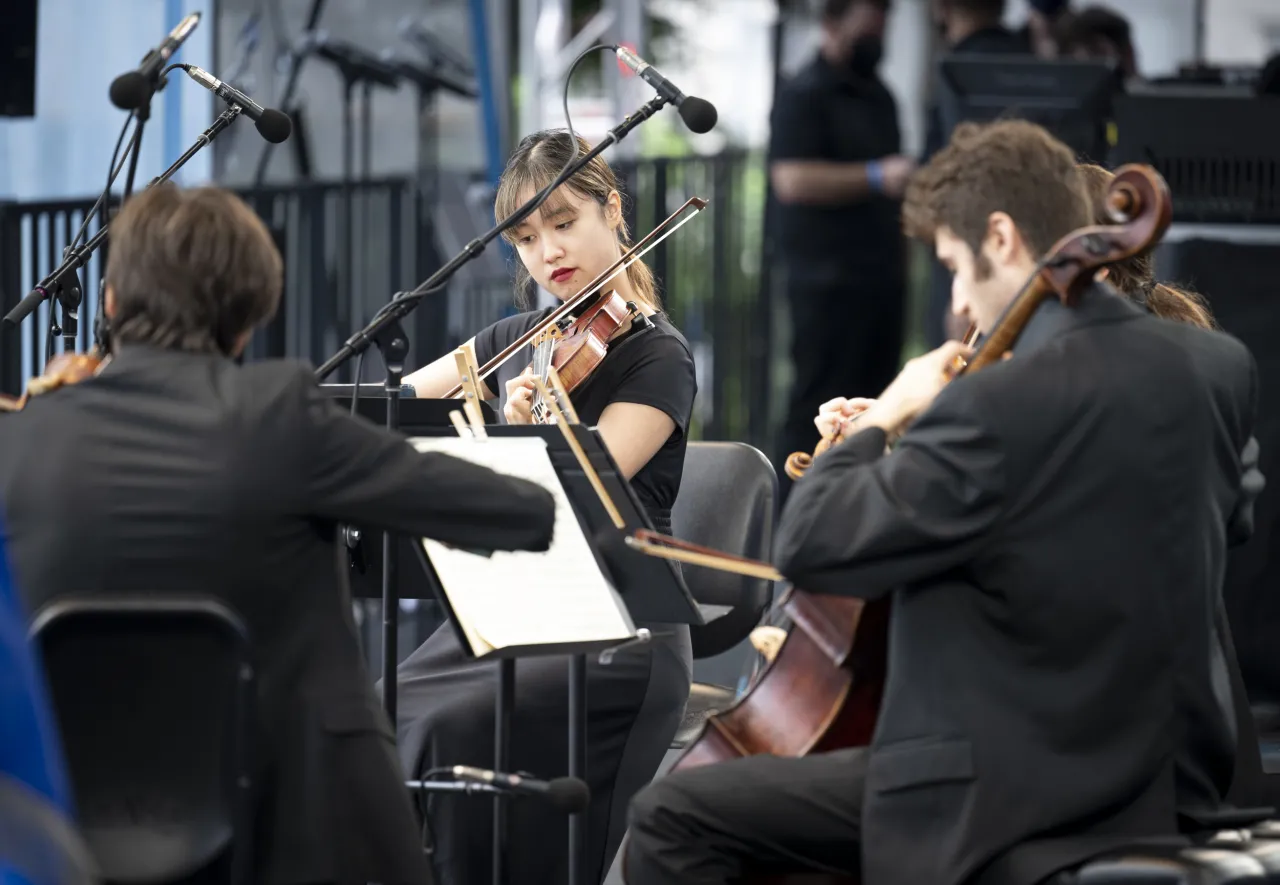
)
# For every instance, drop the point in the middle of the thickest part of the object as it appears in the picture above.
(519, 407)
(838, 411)
(913, 390)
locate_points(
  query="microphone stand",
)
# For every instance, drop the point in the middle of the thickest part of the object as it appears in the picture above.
(66, 275)
(386, 333)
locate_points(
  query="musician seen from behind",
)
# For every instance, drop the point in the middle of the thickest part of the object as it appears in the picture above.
(176, 471)
(641, 399)
(1046, 530)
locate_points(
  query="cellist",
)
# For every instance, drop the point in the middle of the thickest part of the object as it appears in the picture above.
(640, 397)
(1052, 531)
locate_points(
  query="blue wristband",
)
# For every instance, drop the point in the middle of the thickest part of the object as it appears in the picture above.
(875, 175)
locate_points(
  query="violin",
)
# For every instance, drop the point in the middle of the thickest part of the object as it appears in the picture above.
(63, 370)
(1141, 210)
(576, 347)
(823, 688)
(574, 338)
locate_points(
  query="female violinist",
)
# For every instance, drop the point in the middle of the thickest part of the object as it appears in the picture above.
(640, 397)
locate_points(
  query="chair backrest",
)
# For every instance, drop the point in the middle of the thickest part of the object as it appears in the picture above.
(154, 698)
(38, 844)
(728, 501)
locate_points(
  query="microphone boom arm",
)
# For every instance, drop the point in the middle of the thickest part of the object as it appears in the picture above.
(404, 304)
(78, 258)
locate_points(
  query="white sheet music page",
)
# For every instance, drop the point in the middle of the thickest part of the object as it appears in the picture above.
(516, 598)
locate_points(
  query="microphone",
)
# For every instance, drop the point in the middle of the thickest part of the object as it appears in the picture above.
(698, 114)
(130, 91)
(271, 124)
(567, 794)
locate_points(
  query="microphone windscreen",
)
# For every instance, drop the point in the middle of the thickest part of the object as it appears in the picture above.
(568, 794)
(698, 114)
(274, 126)
(129, 91)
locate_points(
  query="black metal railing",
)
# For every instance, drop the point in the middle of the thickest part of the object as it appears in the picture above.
(348, 248)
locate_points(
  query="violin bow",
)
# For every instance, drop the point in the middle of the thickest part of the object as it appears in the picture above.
(646, 541)
(632, 255)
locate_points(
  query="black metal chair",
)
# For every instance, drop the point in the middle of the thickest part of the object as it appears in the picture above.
(154, 698)
(37, 842)
(728, 501)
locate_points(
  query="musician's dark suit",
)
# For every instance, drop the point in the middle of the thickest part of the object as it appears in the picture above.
(1054, 529)
(174, 473)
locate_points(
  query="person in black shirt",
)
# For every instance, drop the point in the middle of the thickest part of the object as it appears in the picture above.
(837, 173)
(641, 399)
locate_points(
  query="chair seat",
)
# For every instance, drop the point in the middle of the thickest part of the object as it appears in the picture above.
(703, 700)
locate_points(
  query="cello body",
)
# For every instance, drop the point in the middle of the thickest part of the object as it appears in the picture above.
(821, 692)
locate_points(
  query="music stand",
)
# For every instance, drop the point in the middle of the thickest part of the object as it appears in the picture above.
(652, 591)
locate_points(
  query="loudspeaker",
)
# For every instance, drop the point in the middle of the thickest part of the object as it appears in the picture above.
(18, 59)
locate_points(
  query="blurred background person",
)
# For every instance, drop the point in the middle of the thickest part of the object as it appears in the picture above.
(837, 170)
(1098, 33)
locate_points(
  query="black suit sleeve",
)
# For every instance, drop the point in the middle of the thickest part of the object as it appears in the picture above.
(356, 472)
(1252, 480)
(861, 522)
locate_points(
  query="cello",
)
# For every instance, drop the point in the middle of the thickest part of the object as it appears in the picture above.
(823, 688)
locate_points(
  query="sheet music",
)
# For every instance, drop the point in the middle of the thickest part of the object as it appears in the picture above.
(517, 597)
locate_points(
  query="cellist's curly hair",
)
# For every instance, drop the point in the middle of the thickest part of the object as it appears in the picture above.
(1135, 277)
(1009, 166)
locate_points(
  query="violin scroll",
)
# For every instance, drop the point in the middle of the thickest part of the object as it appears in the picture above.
(1138, 198)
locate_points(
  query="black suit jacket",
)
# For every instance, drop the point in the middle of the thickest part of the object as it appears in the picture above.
(180, 473)
(1054, 532)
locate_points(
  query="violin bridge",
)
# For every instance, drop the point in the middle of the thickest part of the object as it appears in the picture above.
(561, 395)
(469, 375)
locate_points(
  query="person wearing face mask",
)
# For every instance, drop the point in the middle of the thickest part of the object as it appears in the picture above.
(966, 27)
(837, 174)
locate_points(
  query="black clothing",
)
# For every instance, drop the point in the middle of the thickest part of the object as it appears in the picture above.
(184, 473)
(828, 113)
(1053, 531)
(634, 705)
(651, 367)
(846, 339)
(843, 264)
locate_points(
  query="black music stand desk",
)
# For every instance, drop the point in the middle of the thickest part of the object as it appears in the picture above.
(648, 590)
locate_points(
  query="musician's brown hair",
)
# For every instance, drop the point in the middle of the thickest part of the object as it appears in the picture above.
(535, 163)
(1009, 166)
(1135, 277)
(190, 270)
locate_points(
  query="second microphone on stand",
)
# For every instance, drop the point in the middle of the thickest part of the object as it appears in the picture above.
(273, 125)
